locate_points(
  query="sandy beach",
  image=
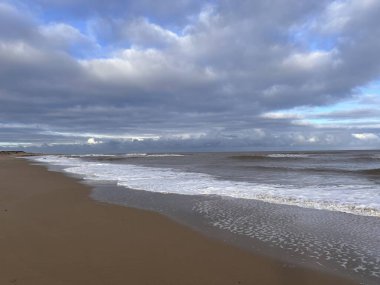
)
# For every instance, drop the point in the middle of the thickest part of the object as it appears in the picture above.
(52, 232)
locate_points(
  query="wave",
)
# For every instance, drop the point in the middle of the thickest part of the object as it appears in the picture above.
(269, 156)
(287, 155)
(338, 156)
(355, 199)
(368, 158)
(121, 157)
(165, 155)
(248, 157)
(92, 155)
(375, 171)
(137, 155)
(310, 170)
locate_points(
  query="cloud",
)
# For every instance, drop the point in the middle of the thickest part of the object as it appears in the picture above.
(92, 141)
(61, 35)
(166, 11)
(192, 73)
(366, 136)
(340, 15)
(279, 115)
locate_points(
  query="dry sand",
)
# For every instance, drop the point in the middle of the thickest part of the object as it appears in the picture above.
(51, 232)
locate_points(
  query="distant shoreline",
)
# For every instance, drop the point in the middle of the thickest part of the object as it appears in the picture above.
(16, 153)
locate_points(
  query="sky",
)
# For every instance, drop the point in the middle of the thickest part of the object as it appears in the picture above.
(93, 76)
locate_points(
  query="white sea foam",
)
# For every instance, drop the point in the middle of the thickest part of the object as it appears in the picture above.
(355, 199)
(135, 154)
(131, 155)
(165, 155)
(93, 155)
(287, 155)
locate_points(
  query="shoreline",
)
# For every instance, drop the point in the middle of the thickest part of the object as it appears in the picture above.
(53, 232)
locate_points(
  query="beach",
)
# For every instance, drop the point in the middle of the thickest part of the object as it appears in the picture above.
(52, 232)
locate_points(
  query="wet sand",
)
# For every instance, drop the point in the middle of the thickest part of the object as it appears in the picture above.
(52, 232)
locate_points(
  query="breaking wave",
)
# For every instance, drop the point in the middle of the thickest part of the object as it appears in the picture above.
(355, 199)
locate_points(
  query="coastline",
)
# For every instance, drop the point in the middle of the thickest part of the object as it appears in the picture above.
(54, 233)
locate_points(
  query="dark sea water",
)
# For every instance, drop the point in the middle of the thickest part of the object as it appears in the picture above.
(320, 209)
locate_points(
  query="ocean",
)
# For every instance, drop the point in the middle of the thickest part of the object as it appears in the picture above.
(318, 209)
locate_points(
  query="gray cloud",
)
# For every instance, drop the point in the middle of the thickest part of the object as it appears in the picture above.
(169, 12)
(204, 84)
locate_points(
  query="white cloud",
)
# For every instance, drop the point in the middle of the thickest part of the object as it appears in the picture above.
(63, 35)
(280, 116)
(366, 136)
(341, 13)
(145, 34)
(312, 60)
(148, 69)
(20, 51)
(92, 141)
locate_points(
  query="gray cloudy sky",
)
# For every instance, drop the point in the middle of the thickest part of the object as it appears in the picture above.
(120, 76)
